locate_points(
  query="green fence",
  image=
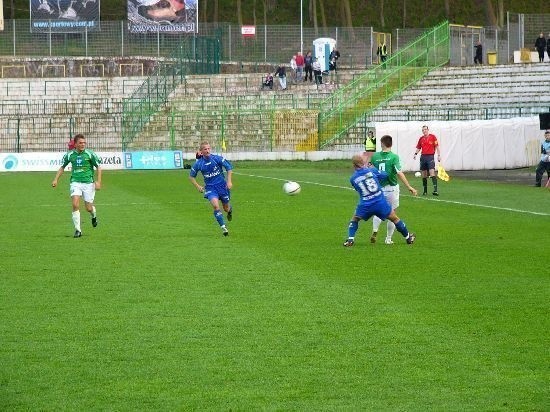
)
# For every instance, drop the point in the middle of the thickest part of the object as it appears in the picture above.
(194, 55)
(347, 105)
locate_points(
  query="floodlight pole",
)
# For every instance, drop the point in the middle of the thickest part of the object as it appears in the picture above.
(301, 28)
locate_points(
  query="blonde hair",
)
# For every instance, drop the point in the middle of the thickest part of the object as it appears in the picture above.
(358, 161)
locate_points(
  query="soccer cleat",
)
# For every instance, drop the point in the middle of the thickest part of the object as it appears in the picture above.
(349, 243)
(230, 215)
(411, 238)
(94, 221)
(388, 242)
(77, 233)
(373, 237)
(225, 231)
(435, 193)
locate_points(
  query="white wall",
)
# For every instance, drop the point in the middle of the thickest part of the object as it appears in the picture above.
(470, 145)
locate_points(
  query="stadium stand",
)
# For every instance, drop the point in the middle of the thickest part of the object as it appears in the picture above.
(482, 91)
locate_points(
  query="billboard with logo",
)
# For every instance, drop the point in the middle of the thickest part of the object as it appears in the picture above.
(64, 16)
(179, 16)
(50, 161)
(164, 159)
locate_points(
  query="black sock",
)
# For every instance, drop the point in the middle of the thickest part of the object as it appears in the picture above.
(434, 181)
(425, 184)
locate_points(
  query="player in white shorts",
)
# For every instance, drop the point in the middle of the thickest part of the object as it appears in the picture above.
(389, 162)
(83, 183)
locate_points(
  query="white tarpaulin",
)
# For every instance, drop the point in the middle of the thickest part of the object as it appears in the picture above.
(470, 145)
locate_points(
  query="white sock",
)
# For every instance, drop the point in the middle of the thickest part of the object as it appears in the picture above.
(376, 223)
(93, 212)
(76, 220)
(391, 230)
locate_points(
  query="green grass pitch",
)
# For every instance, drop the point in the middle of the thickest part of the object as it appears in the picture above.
(155, 310)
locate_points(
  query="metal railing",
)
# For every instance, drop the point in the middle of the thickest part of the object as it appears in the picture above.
(345, 107)
(194, 55)
(272, 44)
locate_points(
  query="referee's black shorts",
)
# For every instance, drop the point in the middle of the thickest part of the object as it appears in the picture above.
(427, 162)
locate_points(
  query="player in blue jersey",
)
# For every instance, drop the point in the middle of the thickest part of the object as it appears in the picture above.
(215, 186)
(366, 181)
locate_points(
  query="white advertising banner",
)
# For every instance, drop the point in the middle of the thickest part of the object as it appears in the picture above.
(470, 145)
(51, 161)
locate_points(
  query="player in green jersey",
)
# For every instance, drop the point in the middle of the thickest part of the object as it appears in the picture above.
(389, 162)
(83, 161)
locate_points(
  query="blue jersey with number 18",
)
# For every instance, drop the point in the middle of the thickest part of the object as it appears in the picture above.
(366, 182)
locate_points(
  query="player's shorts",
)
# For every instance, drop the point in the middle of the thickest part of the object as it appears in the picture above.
(84, 190)
(391, 193)
(217, 192)
(381, 209)
(427, 162)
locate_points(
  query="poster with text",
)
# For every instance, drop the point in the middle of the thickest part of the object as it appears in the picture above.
(64, 16)
(179, 16)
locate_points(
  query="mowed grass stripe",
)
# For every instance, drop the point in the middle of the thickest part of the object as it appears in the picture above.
(154, 309)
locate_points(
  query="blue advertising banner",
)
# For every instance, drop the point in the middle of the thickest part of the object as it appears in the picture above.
(179, 16)
(64, 16)
(153, 160)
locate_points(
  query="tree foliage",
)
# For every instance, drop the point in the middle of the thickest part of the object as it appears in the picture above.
(381, 14)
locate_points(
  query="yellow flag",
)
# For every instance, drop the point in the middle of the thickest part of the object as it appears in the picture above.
(442, 174)
(223, 145)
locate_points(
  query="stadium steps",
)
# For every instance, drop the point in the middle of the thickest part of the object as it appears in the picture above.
(50, 97)
(202, 104)
(471, 88)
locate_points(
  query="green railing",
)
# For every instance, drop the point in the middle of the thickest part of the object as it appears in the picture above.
(347, 105)
(194, 55)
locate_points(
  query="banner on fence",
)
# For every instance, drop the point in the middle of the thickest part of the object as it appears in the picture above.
(159, 160)
(64, 16)
(51, 161)
(179, 16)
(1, 16)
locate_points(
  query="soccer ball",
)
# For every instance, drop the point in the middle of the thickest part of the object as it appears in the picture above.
(291, 188)
(417, 174)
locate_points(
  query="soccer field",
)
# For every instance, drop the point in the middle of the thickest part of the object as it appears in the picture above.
(155, 310)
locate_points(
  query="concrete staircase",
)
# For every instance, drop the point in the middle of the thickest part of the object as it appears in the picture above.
(40, 114)
(472, 92)
(235, 106)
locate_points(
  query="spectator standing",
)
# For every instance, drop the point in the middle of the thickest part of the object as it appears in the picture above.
(317, 72)
(281, 73)
(382, 52)
(390, 163)
(478, 57)
(300, 63)
(366, 181)
(215, 188)
(544, 164)
(293, 69)
(548, 46)
(370, 146)
(83, 184)
(308, 61)
(540, 45)
(428, 145)
(333, 58)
